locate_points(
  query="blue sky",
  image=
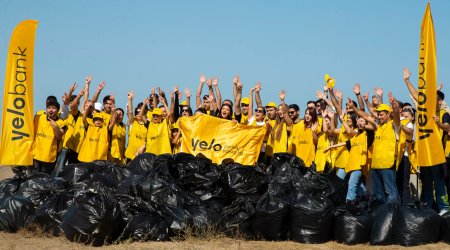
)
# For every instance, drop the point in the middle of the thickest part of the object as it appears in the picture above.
(136, 45)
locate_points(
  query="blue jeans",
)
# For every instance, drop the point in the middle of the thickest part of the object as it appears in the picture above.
(433, 177)
(60, 162)
(383, 185)
(355, 185)
(341, 173)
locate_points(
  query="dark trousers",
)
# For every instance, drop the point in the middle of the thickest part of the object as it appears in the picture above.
(403, 172)
(433, 179)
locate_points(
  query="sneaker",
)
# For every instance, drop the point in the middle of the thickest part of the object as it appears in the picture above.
(443, 211)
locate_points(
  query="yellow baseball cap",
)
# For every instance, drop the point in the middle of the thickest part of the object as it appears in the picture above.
(383, 107)
(271, 104)
(329, 81)
(157, 111)
(183, 103)
(174, 126)
(245, 100)
(97, 115)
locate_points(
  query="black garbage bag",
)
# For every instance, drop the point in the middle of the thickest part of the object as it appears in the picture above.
(93, 218)
(162, 167)
(16, 212)
(146, 227)
(10, 186)
(40, 187)
(352, 225)
(162, 192)
(130, 185)
(271, 218)
(337, 189)
(195, 173)
(130, 206)
(238, 215)
(284, 164)
(73, 173)
(51, 213)
(383, 221)
(445, 228)
(113, 172)
(178, 219)
(417, 224)
(240, 180)
(204, 218)
(142, 163)
(311, 219)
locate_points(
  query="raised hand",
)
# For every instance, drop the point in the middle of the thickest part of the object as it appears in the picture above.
(325, 88)
(160, 92)
(202, 78)
(406, 74)
(239, 85)
(180, 95)
(130, 95)
(209, 82)
(282, 94)
(440, 86)
(113, 98)
(88, 80)
(337, 93)
(215, 81)
(236, 79)
(350, 103)
(365, 96)
(258, 86)
(101, 85)
(66, 98)
(356, 89)
(391, 98)
(320, 95)
(378, 91)
(162, 100)
(73, 87)
(175, 89)
(152, 91)
(187, 92)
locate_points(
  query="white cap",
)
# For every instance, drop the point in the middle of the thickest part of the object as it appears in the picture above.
(98, 106)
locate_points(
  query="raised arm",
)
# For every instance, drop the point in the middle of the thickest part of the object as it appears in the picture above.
(98, 91)
(257, 96)
(198, 98)
(74, 104)
(130, 111)
(142, 114)
(363, 115)
(164, 103)
(235, 81)
(237, 101)
(322, 96)
(348, 130)
(369, 105)
(250, 103)
(187, 92)
(85, 114)
(357, 91)
(87, 84)
(395, 109)
(113, 119)
(379, 92)
(409, 85)
(335, 101)
(215, 83)
(284, 108)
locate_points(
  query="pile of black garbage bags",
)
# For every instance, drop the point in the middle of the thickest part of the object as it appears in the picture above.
(155, 198)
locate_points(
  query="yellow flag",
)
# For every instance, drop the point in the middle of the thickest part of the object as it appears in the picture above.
(17, 113)
(429, 146)
(219, 139)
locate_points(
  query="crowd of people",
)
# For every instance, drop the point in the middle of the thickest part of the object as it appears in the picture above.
(372, 148)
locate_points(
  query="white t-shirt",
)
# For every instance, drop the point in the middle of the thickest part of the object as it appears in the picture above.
(251, 119)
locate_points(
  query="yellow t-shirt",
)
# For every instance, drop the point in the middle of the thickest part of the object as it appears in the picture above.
(158, 138)
(95, 144)
(137, 137)
(117, 150)
(45, 145)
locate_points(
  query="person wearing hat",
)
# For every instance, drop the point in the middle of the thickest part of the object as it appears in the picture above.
(277, 141)
(158, 135)
(95, 144)
(244, 110)
(176, 134)
(382, 176)
(49, 131)
(118, 130)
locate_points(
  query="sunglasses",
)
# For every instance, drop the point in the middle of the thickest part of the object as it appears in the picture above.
(185, 110)
(259, 111)
(291, 112)
(244, 105)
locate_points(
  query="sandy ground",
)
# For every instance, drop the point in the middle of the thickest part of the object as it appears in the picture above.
(24, 241)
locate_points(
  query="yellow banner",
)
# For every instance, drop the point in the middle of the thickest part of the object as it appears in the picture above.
(17, 113)
(219, 139)
(430, 151)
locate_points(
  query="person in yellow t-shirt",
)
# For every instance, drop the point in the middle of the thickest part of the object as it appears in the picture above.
(118, 137)
(49, 130)
(137, 128)
(358, 147)
(158, 135)
(382, 177)
(96, 142)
